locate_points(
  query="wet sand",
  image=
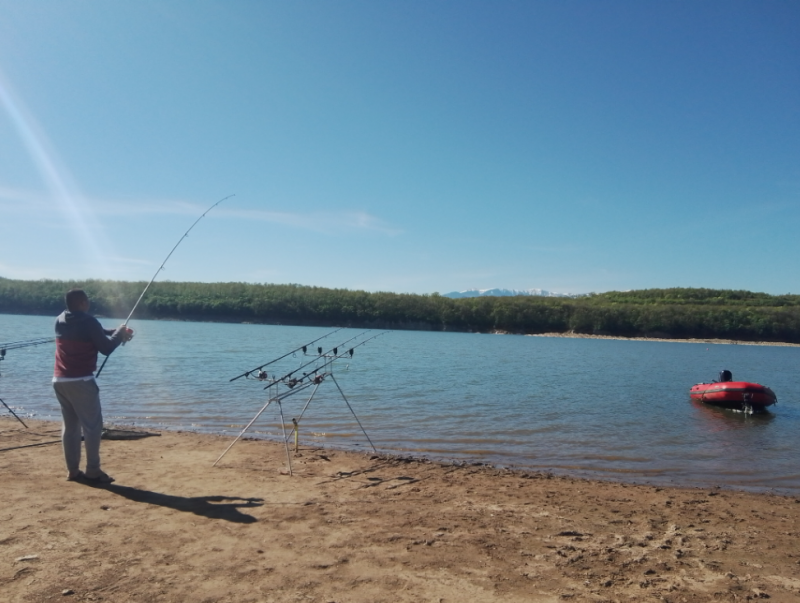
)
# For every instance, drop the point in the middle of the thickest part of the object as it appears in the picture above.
(357, 527)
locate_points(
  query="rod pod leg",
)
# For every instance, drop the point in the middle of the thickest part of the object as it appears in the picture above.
(13, 413)
(258, 414)
(285, 439)
(354, 413)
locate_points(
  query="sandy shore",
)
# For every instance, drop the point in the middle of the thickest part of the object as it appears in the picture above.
(351, 527)
(690, 340)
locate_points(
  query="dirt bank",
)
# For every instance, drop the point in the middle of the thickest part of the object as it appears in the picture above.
(350, 527)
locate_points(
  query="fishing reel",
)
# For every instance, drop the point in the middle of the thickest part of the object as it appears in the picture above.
(313, 378)
(257, 375)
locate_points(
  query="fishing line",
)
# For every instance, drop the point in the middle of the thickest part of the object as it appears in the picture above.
(160, 268)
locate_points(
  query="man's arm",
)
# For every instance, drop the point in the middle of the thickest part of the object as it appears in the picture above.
(105, 344)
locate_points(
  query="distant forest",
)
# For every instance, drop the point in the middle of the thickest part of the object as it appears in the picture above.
(674, 313)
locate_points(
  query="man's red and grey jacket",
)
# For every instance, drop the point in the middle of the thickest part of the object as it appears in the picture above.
(79, 337)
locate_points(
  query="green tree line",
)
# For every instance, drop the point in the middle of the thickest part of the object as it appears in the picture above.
(675, 313)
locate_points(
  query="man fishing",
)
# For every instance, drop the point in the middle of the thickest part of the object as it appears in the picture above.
(79, 337)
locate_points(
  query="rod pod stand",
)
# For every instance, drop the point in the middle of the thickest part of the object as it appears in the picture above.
(346, 401)
(278, 398)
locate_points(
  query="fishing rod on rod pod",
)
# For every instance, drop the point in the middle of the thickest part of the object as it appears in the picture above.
(15, 345)
(160, 268)
(302, 366)
(319, 378)
(302, 347)
(331, 359)
(263, 376)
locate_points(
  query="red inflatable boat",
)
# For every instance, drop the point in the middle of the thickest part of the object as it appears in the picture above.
(736, 395)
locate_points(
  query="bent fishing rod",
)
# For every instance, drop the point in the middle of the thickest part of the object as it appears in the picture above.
(160, 268)
(302, 347)
(332, 355)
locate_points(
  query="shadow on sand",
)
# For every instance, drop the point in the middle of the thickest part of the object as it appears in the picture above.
(213, 507)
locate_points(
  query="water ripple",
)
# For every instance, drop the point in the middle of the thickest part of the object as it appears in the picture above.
(595, 408)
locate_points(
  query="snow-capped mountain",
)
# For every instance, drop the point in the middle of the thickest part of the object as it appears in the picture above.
(504, 293)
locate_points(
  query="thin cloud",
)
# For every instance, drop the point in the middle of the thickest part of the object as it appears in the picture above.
(331, 222)
(323, 222)
(567, 248)
(146, 207)
(62, 189)
(23, 202)
(135, 261)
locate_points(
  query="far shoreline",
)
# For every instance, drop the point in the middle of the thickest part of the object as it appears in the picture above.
(572, 335)
(565, 335)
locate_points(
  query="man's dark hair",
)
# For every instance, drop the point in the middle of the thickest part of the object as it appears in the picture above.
(74, 298)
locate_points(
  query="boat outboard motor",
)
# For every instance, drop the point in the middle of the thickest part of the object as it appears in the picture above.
(725, 375)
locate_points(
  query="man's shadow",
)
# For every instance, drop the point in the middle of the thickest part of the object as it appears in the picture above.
(206, 506)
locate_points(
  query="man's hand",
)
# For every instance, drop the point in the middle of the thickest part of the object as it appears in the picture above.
(127, 334)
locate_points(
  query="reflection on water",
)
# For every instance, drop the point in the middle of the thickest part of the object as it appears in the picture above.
(595, 408)
(723, 419)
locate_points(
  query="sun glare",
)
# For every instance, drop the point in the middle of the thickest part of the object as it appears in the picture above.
(84, 227)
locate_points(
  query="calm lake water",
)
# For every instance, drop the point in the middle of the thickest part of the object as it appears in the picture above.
(593, 408)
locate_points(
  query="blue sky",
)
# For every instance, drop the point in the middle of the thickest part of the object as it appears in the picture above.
(403, 146)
